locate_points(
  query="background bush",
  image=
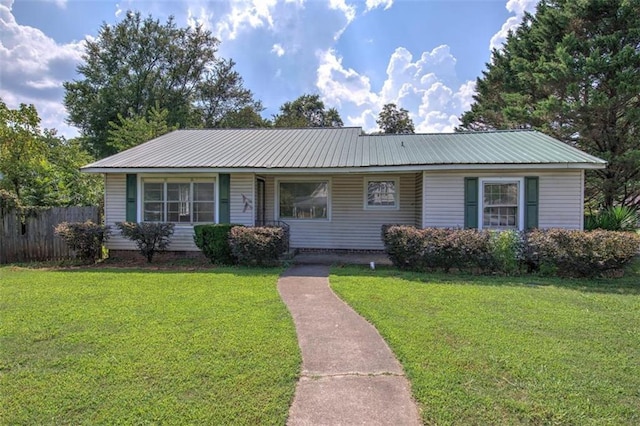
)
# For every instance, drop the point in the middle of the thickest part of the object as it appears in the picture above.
(260, 246)
(86, 238)
(150, 237)
(213, 240)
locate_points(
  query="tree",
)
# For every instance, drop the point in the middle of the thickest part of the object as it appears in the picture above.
(222, 95)
(21, 150)
(394, 120)
(572, 71)
(39, 168)
(132, 131)
(139, 64)
(307, 111)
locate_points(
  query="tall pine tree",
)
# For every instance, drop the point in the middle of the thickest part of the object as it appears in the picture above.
(572, 71)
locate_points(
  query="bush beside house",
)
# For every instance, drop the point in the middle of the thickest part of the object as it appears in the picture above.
(150, 237)
(558, 251)
(213, 240)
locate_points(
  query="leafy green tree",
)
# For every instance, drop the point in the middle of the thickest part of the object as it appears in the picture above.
(40, 169)
(22, 152)
(138, 64)
(572, 70)
(245, 118)
(394, 120)
(222, 97)
(132, 131)
(307, 111)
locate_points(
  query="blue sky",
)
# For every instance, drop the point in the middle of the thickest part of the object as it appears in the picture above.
(357, 55)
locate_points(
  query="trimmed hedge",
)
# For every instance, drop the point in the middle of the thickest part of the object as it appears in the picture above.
(85, 238)
(213, 240)
(258, 246)
(580, 254)
(558, 251)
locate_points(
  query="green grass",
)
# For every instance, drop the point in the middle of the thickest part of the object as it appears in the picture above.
(155, 347)
(495, 350)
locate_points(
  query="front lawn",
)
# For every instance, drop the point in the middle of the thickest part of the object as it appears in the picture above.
(486, 350)
(109, 346)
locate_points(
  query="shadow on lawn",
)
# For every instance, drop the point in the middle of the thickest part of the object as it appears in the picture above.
(629, 284)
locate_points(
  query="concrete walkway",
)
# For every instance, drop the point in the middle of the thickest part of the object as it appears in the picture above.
(349, 374)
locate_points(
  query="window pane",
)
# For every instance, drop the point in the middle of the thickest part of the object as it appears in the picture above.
(153, 191)
(178, 202)
(381, 193)
(153, 212)
(500, 208)
(203, 212)
(203, 191)
(304, 200)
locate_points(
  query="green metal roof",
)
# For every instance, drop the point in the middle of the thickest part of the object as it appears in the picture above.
(344, 148)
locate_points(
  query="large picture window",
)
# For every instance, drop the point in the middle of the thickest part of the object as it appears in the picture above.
(381, 193)
(501, 204)
(303, 200)
(180, 201)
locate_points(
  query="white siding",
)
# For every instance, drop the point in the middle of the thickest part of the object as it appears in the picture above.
(560, 197)
(419, 202)
(242, 198)
(115, 210)
(350, 225)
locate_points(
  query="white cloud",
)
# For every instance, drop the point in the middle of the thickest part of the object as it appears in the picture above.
(517, 7)
(245, 14)
(203, 19)
(62, 4)
(337, 83)
(34, 67)
(372, 4)
(420, 86)
(278, 50)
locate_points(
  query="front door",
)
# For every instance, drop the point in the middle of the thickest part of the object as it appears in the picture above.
(260, 207)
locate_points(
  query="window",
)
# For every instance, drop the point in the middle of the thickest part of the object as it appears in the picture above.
(501, 204)
(303, 200)
(179, 201)
(381, 193)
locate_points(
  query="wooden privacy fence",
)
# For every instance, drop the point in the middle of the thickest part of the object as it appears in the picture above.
(28, 237)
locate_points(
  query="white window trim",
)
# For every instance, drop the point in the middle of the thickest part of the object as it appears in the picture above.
(200, 177)
(396, 182)
(276, 209)
(518, 180)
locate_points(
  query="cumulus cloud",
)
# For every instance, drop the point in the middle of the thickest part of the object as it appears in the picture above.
(278, 49)
(517, 7)
(373, 4)
(34, 67)
(245, 14)
(426, 87)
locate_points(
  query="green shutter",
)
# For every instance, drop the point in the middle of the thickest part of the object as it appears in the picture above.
(132, 195)
(531, 202)
(470, 202)
(224, 212)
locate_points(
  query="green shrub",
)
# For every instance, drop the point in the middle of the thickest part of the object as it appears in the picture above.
(618, 218)
(578, 253)
(437, 248)
(150, 237)
(507, 251)
(86, 238)
(213, 240)
(403, 245)
(260, 246)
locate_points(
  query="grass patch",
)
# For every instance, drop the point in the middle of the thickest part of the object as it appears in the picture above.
(152, 347)
(497, 350)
